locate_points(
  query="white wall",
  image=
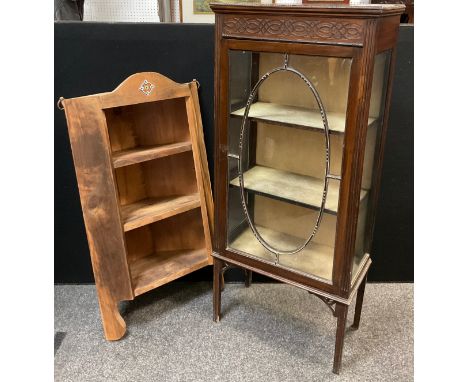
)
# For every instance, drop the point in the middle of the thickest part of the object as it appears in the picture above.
(121, 10)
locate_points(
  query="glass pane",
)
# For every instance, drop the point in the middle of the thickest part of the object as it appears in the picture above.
(376, 111)
(277, 206)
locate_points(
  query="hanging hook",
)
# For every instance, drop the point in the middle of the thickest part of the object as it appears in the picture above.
(59, 103)
(198, 83)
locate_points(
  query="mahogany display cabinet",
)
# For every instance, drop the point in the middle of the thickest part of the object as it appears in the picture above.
(301, 106)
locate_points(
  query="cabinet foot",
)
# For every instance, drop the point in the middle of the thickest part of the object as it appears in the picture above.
(341, 311)
(248, 277)
(112, 322)
(359, 300)
(217, 281)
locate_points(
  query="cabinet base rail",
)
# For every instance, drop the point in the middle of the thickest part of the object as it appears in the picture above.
(339, 309)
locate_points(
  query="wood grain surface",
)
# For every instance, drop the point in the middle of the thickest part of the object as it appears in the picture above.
(136, 152)
(132, 156)
(150, 210)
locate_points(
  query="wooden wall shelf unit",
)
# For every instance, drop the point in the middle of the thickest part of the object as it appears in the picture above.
(302, 96)
(144, 185)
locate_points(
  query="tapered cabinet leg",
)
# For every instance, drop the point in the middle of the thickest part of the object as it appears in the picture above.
(359, 300)
(341, 314)
(217, 277)
(112, 322)
(223, 283)
(248, 277)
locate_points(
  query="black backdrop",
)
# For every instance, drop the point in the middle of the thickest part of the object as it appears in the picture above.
(95, 57)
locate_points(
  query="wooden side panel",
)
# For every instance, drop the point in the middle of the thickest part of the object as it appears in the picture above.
(387, 33)
(120, 129)
(203, 158)
(167, 233)
(193, 121)
(140, 243)
(174, 175)
(131, 183)
(90, 147)
(353, 158)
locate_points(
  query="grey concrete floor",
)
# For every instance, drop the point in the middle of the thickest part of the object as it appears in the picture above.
(268, 332)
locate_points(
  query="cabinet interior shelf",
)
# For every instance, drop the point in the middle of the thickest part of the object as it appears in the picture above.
(315, 259)
(286, 186)
(141, 154)
(150, 210)
(294, 116)
(162, 267)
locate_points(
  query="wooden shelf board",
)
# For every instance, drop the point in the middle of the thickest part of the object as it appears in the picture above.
(295, 116)
(162, 267)
(303, 190)
(150, 210)
(315, 259)
(142, 154)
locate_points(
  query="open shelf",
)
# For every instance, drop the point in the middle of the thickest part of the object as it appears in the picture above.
(149, 191)
(294, 116)
(166, 250)
(315, 259)
(150, 210)
(290, 187)
(159, 268)
(148, 130)
(137, 155)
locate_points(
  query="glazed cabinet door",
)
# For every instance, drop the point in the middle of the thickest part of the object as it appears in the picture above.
(286, 124)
